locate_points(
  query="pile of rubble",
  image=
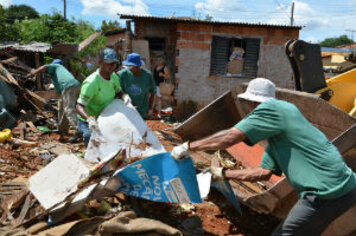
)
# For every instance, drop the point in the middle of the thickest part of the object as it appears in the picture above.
(22, 214)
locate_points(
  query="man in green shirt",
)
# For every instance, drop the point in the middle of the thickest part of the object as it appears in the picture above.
(68, 87)
(98, 90)
(137, 82)
(311, 163)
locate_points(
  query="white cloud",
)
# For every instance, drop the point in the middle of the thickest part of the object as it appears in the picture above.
(111, 8)
(304, 15)
(220, 9)
(5, 3)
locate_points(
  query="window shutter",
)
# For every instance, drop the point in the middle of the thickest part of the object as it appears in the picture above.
(251, 57)
(219, 55)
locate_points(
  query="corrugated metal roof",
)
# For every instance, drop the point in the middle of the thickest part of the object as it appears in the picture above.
(31, 47)
(325, 49)
(193, 20)
(60, 48)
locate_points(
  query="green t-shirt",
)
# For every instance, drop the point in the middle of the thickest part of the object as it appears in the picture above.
(96, 93)
(138, 87)
(61, 77)
(312, 164)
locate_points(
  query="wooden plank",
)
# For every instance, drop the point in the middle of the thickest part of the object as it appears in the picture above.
(38, 77)
(32, 126)
(88, 41)
(8, 75)
(10, 60)
(24, 210)
(22, 128)
(82, 46)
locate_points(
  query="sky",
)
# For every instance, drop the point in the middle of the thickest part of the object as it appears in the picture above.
(320, 18)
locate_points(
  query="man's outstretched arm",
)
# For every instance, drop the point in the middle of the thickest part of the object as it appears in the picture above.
(220, 140)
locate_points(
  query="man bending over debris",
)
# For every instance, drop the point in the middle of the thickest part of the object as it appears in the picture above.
(68, 87)
(98, 90)
(311, 163)
(138, 82)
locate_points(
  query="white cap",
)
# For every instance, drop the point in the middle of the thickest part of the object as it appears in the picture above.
(259, 90)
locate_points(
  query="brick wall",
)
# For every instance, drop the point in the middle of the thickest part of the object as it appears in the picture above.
(144, 29)
(193, 59)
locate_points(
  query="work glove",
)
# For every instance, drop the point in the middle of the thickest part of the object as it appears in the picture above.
(180, 152)
(217, 173)
(126, 99)
(93, 125)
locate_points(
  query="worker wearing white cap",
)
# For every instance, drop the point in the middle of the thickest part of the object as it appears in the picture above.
(311, 163)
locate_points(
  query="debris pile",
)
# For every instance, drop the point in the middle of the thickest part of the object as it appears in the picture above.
(35, 163)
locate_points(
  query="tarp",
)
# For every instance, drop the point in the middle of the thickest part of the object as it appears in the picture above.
(122, 128)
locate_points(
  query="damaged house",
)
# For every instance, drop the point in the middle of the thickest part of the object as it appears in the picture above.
(213, 57)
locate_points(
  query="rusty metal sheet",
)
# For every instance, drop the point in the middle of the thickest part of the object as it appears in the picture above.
(218, 115)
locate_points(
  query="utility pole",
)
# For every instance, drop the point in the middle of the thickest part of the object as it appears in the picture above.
(65, 9)
(352, 33)
(292, 14)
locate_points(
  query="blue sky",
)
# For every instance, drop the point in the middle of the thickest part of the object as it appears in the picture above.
(322, 19)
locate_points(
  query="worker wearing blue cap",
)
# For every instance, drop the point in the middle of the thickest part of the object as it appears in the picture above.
(138, 82)
(97, 92)
(68, 87)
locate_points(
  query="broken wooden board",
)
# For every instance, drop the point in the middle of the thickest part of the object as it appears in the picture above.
(59, 179)
(34, 98)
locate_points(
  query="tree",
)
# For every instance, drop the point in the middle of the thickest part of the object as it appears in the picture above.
(20, 12)
(8, 33)
(111, 25)
(337, 41)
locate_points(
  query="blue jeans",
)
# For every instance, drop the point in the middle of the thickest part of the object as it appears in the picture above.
(84, 129)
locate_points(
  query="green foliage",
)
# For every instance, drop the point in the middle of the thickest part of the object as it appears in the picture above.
(48, 28)
(337, 41)
(47, 59)
(51, 28)
(8, 33)
(20, 12)
(111, 25)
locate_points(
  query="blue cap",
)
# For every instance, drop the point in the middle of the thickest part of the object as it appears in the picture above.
(109, 56)
(133, 59)
(57, 61)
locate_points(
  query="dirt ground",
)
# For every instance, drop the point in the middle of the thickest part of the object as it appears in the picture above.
(215, 215)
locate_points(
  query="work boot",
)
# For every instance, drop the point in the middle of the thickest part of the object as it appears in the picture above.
(77, 135)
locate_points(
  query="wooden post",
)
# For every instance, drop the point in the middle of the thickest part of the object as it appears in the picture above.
(128, 39)
(38, 77)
